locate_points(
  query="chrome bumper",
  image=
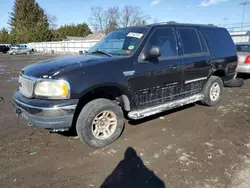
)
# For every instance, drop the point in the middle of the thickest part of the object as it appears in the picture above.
(243, 69)
(45, 113)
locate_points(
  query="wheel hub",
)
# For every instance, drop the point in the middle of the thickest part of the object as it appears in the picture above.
(104, 125)
(215, 92)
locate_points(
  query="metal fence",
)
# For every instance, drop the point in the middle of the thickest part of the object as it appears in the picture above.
(62, 47)
(74, 47)
(240, 36)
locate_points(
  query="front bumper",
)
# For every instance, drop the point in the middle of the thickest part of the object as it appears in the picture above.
(49, 114)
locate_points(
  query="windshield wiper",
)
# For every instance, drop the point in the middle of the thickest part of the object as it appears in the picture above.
(101, 52)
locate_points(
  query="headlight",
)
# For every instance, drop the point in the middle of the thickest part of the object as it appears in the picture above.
(52, 89)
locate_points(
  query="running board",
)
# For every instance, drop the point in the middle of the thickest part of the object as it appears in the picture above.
(142, 113)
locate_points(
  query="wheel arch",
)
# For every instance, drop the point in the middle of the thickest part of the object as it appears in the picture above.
(221, 73)
(109, 91)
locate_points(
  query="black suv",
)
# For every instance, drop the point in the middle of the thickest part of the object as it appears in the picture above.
(134, 72)
(4, 49)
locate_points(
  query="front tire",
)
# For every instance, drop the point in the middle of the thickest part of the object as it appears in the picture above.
(213, 91)
(100, 123)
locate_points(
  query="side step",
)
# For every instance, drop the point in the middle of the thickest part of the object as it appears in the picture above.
(142, 113)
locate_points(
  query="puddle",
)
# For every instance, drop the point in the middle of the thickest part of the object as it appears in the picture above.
(2, 68)
(13, 79)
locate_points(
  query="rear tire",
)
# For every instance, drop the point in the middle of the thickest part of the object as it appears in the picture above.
(213, 91)
(98, 119)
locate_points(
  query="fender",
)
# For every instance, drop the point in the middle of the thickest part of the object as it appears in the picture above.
(121, 93)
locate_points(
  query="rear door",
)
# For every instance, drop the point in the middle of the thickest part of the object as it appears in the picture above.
(159, 80)
(196, 60)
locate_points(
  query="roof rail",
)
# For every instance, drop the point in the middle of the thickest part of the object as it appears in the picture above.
(172, 22)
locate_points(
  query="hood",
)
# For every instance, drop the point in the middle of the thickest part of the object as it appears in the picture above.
(53, 67)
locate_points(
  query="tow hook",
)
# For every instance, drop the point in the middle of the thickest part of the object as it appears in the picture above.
(30, 124)
(18, 112)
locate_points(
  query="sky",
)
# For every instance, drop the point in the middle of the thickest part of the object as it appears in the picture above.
(184, 11)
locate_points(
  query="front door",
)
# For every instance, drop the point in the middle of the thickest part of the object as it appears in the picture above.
(158, 80)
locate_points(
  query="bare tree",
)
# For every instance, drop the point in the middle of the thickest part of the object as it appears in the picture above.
(113, 15)
(98, 18)
(107, 20)
(125, 17)
(52, 19)
(132, 16)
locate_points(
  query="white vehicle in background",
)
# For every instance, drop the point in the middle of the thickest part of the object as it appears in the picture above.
(243, 51)
(18, 50)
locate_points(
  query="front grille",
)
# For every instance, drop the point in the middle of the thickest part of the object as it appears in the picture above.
(26, 86)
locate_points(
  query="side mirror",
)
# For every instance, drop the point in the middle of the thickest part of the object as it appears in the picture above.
(153, 53)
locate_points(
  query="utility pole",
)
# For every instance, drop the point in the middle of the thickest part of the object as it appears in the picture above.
(225, 19)
(243, 15)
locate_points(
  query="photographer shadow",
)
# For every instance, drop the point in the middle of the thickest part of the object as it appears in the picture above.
(132, 173)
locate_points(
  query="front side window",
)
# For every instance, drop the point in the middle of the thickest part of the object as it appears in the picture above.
(243, 48)
(190, 41)
(121, 42)
(165, 39)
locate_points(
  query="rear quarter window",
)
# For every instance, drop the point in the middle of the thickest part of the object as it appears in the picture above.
(220, 42)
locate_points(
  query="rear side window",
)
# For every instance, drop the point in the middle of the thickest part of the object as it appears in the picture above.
(204, 47)
(190, 41)
(220, 42)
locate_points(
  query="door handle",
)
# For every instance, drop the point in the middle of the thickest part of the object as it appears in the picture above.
(175, 67)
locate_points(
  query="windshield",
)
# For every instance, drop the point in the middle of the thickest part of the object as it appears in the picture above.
(120, 42)
(243, 48)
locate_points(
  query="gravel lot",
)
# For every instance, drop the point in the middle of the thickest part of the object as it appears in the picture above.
(194, 146)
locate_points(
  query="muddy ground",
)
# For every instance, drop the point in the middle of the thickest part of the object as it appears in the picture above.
(194, 146)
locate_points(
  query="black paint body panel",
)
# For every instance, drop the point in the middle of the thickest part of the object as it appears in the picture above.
(151, 82)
